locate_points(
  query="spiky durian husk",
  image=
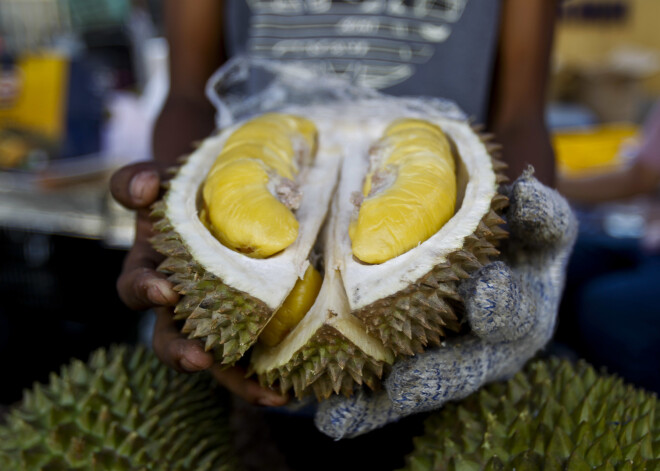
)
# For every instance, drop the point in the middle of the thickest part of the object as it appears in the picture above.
(229, 321)
(419, 315)
(226, 319)
(405, 322)
(552, 416)
(124, 410)
(327, 363)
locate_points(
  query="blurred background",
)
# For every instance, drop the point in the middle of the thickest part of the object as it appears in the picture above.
(81, 83)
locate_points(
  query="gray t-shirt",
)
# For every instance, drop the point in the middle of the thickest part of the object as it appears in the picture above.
(442, 48)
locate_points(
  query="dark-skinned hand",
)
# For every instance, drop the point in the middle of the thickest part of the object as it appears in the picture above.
(141, 286)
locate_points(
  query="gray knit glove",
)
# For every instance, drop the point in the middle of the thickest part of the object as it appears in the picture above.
(511, 306)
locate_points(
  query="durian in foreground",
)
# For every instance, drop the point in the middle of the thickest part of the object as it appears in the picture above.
(427, 181)
(124, 410)
(554, 415)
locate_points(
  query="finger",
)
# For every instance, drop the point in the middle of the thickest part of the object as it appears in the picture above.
(136, 186)
(348, 417)
(139, 285)
(496, 308)
(234, 380)
(539, 216)
(428, 380)
(176, 351)
(142, 288)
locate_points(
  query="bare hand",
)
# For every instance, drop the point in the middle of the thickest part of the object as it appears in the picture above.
(141, 286)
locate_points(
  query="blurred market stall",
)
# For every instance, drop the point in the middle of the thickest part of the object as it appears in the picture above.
(74, 75)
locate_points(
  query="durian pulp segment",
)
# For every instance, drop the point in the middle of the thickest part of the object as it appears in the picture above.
(295, 306)
(240, 206)
(419, 200)
(243, 214)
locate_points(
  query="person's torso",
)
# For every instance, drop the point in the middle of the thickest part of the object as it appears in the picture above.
(442, 48)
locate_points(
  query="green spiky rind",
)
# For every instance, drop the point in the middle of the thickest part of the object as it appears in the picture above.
(123, 410)
(420, 315)
(327, 364)
(552, 415)
(227, 320)
(407, 322)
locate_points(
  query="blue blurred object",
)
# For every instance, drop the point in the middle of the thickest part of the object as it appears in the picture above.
(610, 312)
(85, 110)
(618, 321)
(569, 116)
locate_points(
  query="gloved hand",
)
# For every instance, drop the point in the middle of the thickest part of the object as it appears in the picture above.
(511, 307)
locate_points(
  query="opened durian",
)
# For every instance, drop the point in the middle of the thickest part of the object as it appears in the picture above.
(554, 415)
(329, 238)
(123, 410)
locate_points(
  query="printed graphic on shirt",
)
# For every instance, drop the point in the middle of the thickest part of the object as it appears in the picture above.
(376, 43)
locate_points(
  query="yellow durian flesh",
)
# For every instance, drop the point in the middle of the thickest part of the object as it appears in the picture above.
(239, 206)
(305, 128)
(294, 308)
(270, 155)
(419, 201)
(243, 214)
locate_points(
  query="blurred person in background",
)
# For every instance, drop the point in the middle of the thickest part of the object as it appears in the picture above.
(611, 308)
(512, 106)
(492, 58)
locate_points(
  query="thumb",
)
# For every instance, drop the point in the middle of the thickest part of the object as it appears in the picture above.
(136, 186)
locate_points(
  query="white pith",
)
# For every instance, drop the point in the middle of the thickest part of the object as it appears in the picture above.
(346, 132)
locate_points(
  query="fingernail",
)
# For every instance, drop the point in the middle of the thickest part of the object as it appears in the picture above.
(140, 183)
(158, 293)
(270, 401)
(189, 366)
(266, 402)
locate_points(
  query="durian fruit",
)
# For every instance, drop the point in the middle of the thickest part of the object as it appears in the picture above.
(348, 160)
(123, 410)
(554, 415)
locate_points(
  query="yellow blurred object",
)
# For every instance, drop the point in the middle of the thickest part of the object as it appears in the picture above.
(593, 150)
(39, 96)
(409, 195)
(294, 308)
(13, 151)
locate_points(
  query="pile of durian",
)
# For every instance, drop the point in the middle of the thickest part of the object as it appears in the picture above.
(122, 410)
(553, 415)
(324, 242)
